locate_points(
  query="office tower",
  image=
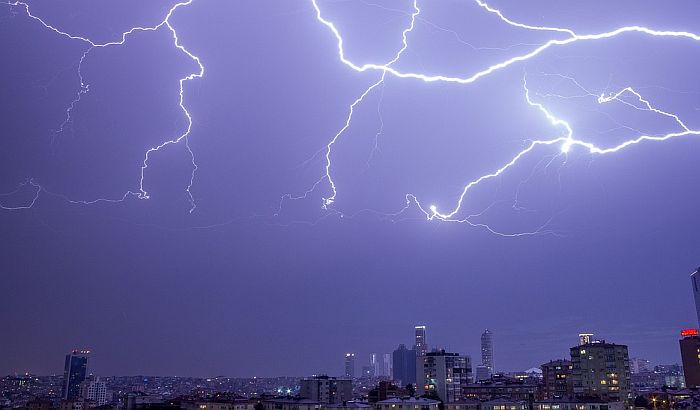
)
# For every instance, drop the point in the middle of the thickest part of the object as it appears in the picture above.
(421, 342)
(324, 389)
(556, 379)
(444, 374)
(74, 373)
(94, 389)
(638, 365)
(376, 365)
(487, 351)
(696, 291)
(387, 366)
(690, 355)
(350, 365)
(404, 364)
(601, 369)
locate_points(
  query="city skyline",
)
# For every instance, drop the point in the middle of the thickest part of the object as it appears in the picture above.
(256, 188)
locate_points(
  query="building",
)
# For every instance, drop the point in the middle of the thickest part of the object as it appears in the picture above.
(350, 365)
(407, 403)
(39, 404)
(690, 355)
(404, 365)
(556, 379)
(384, 391)
(351, 405)
(482, 373)
(421, 341)
(444, 374)
(578, 404)
(291, 403)
(504, 403)
(585, 338)
(638, 365)
(696, 291)
(95, 390)
(382, 364)
(74, 372)
(487, 351)
(500, 386)
(464, 404)
(387, 365)
(602, 370)
(325, 390)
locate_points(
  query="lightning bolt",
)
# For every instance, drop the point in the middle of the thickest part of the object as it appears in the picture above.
(84, 88)
(566, 141)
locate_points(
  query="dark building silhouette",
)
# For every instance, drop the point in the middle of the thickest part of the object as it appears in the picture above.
(601, 370)
(690, 354)
(404, 363)
(74, 373)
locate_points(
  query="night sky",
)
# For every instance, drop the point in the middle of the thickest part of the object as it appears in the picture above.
(255, 283)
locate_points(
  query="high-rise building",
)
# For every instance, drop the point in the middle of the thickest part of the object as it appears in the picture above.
(404, 364)
(556, 379)
(601, 369)
(696, 291)
(324, 389)
(690, 355)
(375, 364)
(387, 366)
(350, 365)
(482, 373)
(638, 365)
(382, 364)
(421, 342)
(74, 373)
(94, 389)
(444, 374)
(487, 351)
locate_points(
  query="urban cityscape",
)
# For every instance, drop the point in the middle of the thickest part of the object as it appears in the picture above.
(594, 375)
(349, 205)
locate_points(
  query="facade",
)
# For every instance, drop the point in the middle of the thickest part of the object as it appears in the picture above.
(325, 390)
(95, 390)
(504, 403)
(384, 391)
(638, 365)
(404, 365)
(421, 342)
(464, 404)
(601, 370)
(292, 404)
(444, 374)
(487, 351)
(695, 282)
(578, 404)
(690, 355)
(74, 372)
(407, 403)
(382, 364)
(350, 365)
(500, 386)
(556, 379)
(351, 405)
(482, 373)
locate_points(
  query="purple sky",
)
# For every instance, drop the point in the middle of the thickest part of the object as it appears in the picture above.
(241, 288)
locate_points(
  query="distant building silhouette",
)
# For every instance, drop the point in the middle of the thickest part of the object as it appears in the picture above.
(487, 352)
(696, 291)
(404, 364)
(74, 372)
(350, 365)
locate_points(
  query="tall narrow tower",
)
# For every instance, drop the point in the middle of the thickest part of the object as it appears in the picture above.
(487, 350)
(421, 344)
(350, 365)
(75, 371)
(696, 291)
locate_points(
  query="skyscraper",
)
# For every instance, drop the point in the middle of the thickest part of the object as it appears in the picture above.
(350, 365)
(387, 366)
(421, 343)
(444, 374)
(487, 350)
(690, 355)
(404, 363)
(74, 373)
(696, 291)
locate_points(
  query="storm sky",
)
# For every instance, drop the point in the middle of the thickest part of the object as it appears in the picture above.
(260, 279)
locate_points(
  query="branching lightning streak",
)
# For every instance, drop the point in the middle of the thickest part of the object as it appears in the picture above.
(141, 193)
(567, 140)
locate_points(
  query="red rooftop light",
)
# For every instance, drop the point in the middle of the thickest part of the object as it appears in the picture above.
(689, 332)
